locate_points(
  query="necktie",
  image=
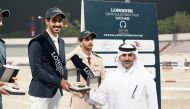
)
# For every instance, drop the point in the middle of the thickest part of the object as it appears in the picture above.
(89, 59)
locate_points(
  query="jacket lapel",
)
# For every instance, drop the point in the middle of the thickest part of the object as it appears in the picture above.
(50, 40)
(61, 48)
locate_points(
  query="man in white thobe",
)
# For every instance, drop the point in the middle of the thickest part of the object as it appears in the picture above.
(130, 86)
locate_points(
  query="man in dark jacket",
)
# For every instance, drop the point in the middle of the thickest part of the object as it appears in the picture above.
(3, 13)
(47, 61)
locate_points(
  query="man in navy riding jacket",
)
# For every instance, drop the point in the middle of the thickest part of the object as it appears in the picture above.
(47, 61)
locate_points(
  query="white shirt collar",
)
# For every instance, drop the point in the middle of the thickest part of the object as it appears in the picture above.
(55, 39)
(85, 54)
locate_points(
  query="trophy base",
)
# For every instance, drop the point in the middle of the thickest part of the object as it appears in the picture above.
(12, 89)
(79, 87)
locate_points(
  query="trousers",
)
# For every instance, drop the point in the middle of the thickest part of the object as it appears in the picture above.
(45, 103)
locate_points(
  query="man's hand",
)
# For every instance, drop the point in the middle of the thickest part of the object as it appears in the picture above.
(2, 91)
(65, 85)
(2, 83)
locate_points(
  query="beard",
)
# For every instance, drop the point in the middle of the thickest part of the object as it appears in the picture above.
(127, 64)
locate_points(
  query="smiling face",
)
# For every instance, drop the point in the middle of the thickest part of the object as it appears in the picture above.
(127, 60)
(55, 24)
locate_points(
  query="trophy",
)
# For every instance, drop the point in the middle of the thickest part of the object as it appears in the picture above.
(79, 87)
(12, 89)
(73, 76)
(6, 74)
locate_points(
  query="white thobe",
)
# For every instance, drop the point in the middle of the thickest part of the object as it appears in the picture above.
(134, 89)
